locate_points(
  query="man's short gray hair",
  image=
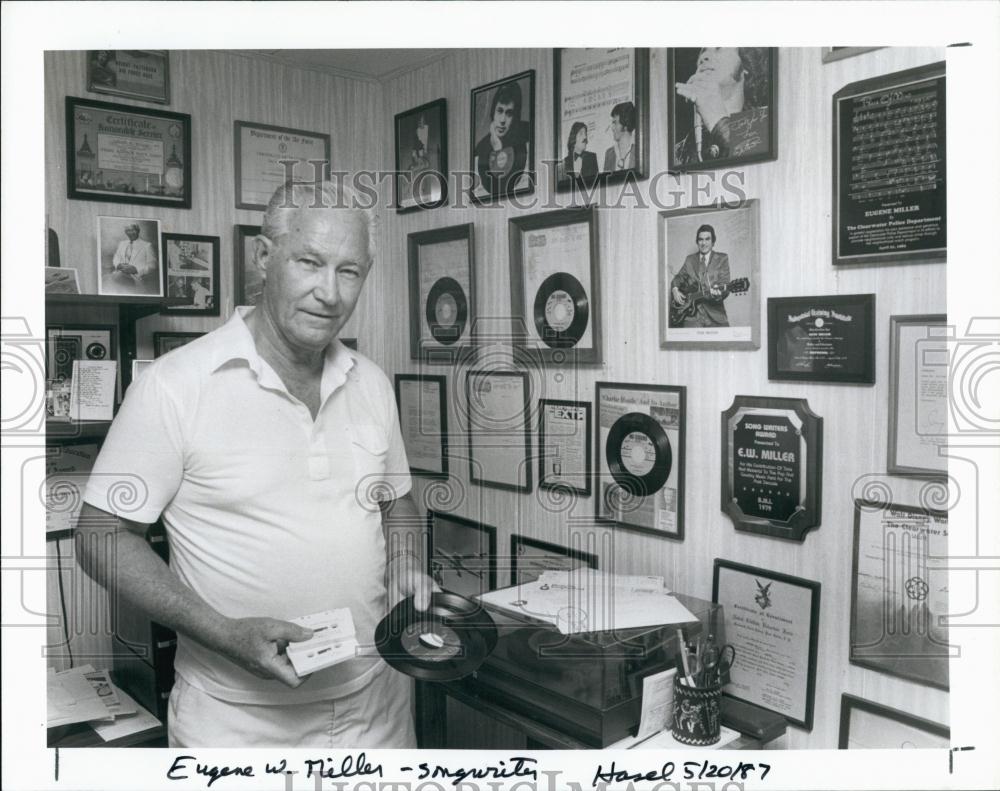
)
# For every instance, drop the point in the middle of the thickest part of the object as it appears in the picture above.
(291, 197)
(133, 225)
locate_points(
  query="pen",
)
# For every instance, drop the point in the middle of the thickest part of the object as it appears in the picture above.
(682, 648)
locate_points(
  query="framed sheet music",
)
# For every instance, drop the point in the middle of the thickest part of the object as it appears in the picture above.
(564, 446)
(499, 431)
(462, 556)
(529, 557)
(423, 422)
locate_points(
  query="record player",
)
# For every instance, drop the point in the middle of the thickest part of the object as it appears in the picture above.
(587, 685)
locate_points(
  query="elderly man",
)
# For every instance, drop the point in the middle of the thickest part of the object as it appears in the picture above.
(134, 258)
(273, 455)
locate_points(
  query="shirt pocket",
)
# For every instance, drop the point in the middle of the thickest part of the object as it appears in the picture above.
(370, 448)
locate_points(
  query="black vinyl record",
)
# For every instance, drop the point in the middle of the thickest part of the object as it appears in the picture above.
(445, 642)
(447, 310)
(561, 311)
(638, 453)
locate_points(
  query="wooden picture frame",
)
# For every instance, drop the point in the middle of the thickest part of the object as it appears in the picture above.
(551, 556)
(186, 269)
(142, 74)
(151, 169)
(459, 551)
(499, 421)
(510, 170)
(248, 283)
(164, 342)
(557, 448)
(892, 728)
(414, 436)
(555, 292)
(421, 146)
(258, 150)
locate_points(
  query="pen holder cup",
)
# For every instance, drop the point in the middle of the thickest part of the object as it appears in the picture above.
(697, 712)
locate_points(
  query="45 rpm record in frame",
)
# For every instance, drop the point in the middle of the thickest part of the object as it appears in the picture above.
(638, 454)
(562, 311)
(447, 310)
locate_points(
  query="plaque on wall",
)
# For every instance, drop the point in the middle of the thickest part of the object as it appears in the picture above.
(889, 187)
(499, 429)
(423, 422)
(772, 474)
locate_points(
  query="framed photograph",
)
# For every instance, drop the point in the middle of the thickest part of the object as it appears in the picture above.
(192, 273)
(61, 280)
(423, 422)
(555, 285)
(723, 106)
(248, 283)
(710, 277)
(871, 726)
(164, 342)
(830, 54)
(261, 155)
(125, 154)
(918, 395)
(66, 343)
(772, 621)
(640, 457)
(829, 338)
(899, 604)
(889, 169)
(142, 74)
(442, 293)
(421, 180)
(499, 429)
(772, 466)
(601, 109)
(128, 257)
(529, 557)
(502, 146)
(462, 556)
(564, 446)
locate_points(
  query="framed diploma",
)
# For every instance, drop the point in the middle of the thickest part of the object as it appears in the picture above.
(499, 429)
(772, 620)
(870, 726)
(462, 556)
(710, 277)
(821, 339)
(889, 166)
(421, 180)
(772, 473)
(502, 145)
(192, 265)
(554, 285)
(142, 74)
(261, 155)
(529, 557)
(564, 446)
(423, 422)
(640, 457)
(248, 282)
(918, 395)
(602, 115)
(899, 597)
(126, 154)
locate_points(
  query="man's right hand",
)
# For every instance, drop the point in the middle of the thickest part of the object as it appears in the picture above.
(258, 646)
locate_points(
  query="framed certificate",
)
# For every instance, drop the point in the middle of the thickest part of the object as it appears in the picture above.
(248, 282)
(529, 557)
(554, 285)
(821, 339)
(126, 154)
(142, 74)
(261, 157)
(772, 620)
(871, 726)
(899, 596)
(602, 115)
(421, 180)
(564, 446)
(499, 429)
(772, 472)
(192, 265)
(639, 457)
(889, 169)
(502, 143)
(423, 422)
(442, 293)
(462, 556)
(918, 395)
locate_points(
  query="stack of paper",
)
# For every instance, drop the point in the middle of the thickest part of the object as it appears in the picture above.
(82, 694)
(333, 641)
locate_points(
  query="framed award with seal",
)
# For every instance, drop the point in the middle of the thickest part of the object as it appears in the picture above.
(554, 285)
(772, 474)
(640, 457)
(442, 293)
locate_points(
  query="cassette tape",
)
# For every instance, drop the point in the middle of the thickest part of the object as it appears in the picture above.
(333, 641)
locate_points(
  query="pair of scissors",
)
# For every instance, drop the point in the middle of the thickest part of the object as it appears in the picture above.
(717, 663)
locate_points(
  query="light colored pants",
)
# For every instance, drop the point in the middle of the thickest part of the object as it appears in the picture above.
(377, 716)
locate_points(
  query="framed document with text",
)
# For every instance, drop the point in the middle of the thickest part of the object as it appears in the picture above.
(529, 557)
(499, 431)
(772, 620)
(462, 556)
(261, 155)
(564, 446)
(423, 422)
(142, 74)
(870, 726)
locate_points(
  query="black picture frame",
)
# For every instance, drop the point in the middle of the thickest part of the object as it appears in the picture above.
(501, 432)
(814, 590)
(245, 276)
(431, 304)
(817, 339)
(281, 138)
(612, 497)
(758, 120)
(544, 548)
(598, 118)
(584, 474)
(851, 703)
(164, 342)
(423, 161)
(487, 545)
(539, 339)
(517, 177)
(86, 180)
(780, 442)
(117, 72)
(66, 342)
(177, 280)
(442, 407)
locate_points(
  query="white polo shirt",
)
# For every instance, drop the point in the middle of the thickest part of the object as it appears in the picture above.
(268, 512)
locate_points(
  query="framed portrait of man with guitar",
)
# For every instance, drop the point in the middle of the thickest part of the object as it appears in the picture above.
(709, 277)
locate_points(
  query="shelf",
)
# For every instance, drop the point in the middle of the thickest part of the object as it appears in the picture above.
(130, 308)
(59, 431)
